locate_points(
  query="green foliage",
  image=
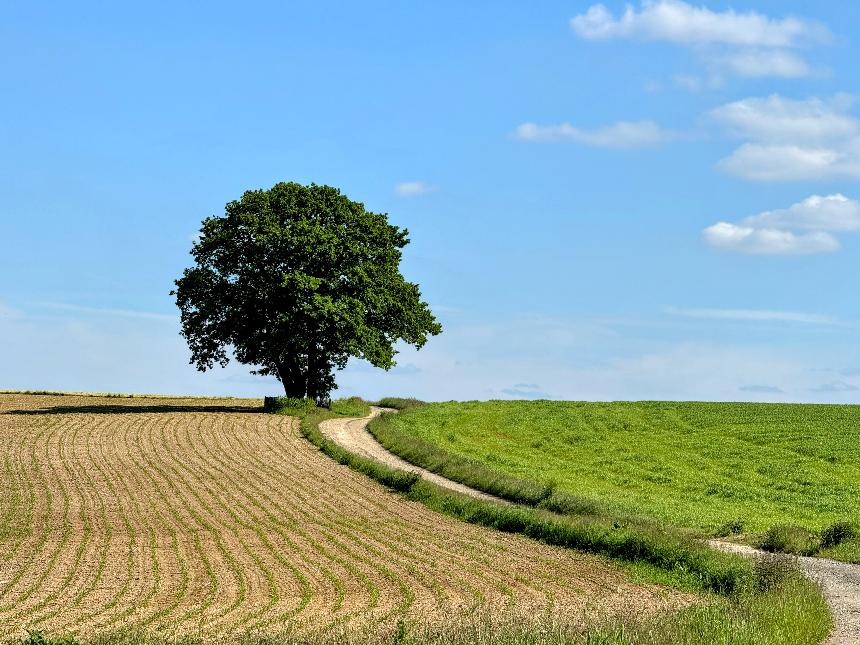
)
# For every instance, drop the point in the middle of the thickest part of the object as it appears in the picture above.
(696, 465)
(837, 533)
(785, 538)
(470, 471)
(791, 612)
(399, 403)
(295, 280)
(354, 406)
(35, 637)
(732, 527)
(773, 571)
(289, 405)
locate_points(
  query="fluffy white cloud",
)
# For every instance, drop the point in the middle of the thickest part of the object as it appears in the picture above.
(624, 134)
(741, 43)
(790, 140)
(766, 241)
(774, 232)
(413, 188)
(757, 162)
(775, 119)
(678, 22)
(822, 213)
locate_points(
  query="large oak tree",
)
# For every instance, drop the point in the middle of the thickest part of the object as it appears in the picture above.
(296, 279)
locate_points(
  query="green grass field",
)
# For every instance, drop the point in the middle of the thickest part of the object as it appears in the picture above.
(696, 465)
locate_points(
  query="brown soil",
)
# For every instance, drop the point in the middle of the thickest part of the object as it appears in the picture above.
(207, 517)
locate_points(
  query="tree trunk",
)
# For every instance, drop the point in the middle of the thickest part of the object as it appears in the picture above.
(294, 386)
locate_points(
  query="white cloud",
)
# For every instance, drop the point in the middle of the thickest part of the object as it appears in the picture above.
(678, 22)
(624, 134)
(790, 140)
(764, 315)
(765, 241)
(822, 213)
(762, 63)
(763, 163)
(743, 43)
(774, 232)
(778, 120)
(413, 188)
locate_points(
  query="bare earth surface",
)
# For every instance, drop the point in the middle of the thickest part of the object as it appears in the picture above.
(840, 581)
(207, 517)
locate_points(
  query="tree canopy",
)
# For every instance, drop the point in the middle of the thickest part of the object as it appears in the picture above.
(294, 281)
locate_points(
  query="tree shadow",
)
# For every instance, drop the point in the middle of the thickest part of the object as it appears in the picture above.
(135, 409)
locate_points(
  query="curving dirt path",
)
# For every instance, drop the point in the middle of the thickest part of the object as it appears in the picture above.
(839, 581)
(352, 434)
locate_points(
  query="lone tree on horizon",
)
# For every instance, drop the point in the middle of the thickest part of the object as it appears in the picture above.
(295, 280)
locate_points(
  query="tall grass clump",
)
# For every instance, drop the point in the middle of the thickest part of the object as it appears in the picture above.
(837, 533)
(785, 538)
(399, 403)
(354, 406)
(288, 405)
(36, 637)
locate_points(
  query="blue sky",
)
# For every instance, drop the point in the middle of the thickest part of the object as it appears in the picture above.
(605, 202)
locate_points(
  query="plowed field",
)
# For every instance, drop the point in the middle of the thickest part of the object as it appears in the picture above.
(208, 517)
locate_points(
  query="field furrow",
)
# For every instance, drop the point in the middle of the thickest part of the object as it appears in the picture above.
(190, 517)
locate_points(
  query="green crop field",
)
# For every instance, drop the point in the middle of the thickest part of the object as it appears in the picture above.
(696, 465)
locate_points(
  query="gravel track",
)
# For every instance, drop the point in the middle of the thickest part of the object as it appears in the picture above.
(183, 517)
(840, 582)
